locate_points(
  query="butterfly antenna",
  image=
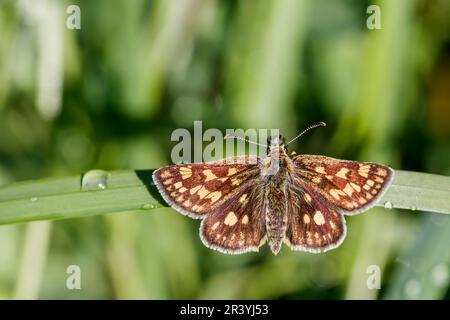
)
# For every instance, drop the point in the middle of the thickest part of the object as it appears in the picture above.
(318, 124)
(233, 136)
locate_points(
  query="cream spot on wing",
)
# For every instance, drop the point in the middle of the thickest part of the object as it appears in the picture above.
(215, 225)
(316, 235)
(166, 174)
(182, 189)
(316, 179)
(263, 240)
(223, 179)
(363, 174)
(370, 182)
(202, 192)
(209, 175)
(348, 205)
(381, 172)
(333, 226)
(214, 196)
(334, 193)
(287, 242)
(318, 218)
(355, 186)
(187, 203)
(195, 189)
(378, 186)
(306, 219)
(348, 189)
(235, 182)
(168, 181)
(362, 200)
(243, 198)
(366, 187)
(342, 173)
(363, 170)
(231, 219)
(364, 167)
(178, 184)
(185, 172)
(374, 192)
(244, 219)
(179, 199)
(379, 179)
(320, 170)
(173, 194)
(231, 171)
(307, 197)
(368, 196)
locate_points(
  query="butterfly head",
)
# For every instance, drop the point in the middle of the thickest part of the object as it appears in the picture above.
(276, 144)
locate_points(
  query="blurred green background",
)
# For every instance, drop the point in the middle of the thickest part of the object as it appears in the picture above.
(109, 95)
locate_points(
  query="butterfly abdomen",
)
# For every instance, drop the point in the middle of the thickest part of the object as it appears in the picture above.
(275, 215)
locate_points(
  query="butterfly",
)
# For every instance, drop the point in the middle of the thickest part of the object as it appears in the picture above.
(246, 201)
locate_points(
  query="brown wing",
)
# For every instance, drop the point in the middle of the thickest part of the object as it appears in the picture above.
(199, 188)
(351, 186)
(238, 225)
(313, 225)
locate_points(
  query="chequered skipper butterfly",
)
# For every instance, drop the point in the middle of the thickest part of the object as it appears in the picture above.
(245, 201)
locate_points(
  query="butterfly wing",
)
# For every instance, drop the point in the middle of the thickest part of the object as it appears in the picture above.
(199, 188)
(238, 225)
(313, 225)
(351, 186)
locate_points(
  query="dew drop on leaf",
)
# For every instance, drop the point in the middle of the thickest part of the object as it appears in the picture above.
(94, 180)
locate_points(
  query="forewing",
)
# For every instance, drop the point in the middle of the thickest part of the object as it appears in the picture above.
(351, 186)
(313, 225)
(237, 226)
(199, 188)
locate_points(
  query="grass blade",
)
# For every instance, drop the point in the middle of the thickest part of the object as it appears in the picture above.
(127, 191)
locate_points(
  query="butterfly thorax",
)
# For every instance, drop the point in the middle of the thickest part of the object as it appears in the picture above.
(276, 170)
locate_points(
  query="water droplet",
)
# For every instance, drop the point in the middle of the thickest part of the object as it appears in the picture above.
(388, 205)
(149, 206)
(412, 288)
(440, 274)
(34, 199)
(94, 180)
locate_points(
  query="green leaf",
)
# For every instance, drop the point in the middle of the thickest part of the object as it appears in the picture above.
(99, 192)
